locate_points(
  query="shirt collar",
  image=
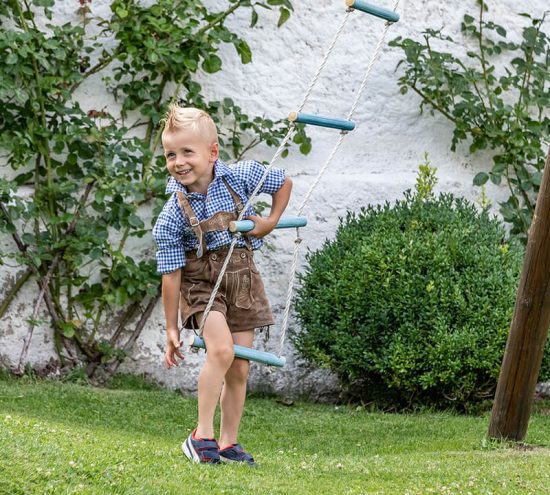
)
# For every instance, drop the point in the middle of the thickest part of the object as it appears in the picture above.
(220, 170)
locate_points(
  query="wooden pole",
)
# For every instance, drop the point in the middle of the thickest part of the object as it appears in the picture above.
(524, 349)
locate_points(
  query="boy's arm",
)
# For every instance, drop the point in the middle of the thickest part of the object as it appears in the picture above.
(264, 226)
(171, 283)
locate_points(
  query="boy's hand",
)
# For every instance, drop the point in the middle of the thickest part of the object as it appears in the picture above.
(173, 345)
(262, 226)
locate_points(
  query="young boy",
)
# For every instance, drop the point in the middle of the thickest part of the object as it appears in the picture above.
(192, 238)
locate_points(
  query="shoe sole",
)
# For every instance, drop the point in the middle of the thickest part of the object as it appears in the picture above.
(233, 461)
(189, 451)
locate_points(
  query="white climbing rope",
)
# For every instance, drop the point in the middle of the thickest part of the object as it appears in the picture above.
(285, 140)
(235, 237)
(362, 87)
(287, 137)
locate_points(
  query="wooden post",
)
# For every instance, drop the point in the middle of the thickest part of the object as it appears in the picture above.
(524, 349)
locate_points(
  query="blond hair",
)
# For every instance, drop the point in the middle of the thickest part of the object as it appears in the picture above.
(190, 118)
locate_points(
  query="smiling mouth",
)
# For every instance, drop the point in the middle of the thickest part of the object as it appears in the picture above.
(183, 172)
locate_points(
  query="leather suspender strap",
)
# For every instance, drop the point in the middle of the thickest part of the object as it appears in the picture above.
(237, 200)
(239, 207)
(193, 221)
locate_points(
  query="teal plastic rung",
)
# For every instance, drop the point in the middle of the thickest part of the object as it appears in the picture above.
(304, 118)
(283, 223)
(245, 353)
(388, 15)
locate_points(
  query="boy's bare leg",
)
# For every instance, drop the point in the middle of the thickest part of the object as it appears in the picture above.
(234, 393)
(219, 357)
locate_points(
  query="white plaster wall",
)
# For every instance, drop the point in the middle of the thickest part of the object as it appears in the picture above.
(376, 163)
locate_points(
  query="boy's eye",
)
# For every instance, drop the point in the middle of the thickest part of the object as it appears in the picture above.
(170, 155)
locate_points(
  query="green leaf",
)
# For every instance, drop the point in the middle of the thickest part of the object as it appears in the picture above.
(536, 178)
(96, 253)
(135, 221)
(121, 12)
(305, 147)
(43, 3)
(285, 15)
(67, 329)
(496, 178)
(190, 63)
(22, 178)
(481, 178)
(244, 51)
(253, 19)
(120, 296)
(12, 59)
(212, 64)
(498, 168)
(28, 238)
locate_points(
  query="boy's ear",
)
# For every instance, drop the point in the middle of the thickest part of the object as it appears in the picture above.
(214, 152)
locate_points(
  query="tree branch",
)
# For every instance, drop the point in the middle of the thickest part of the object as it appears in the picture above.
(137, 331)
(14, 290)
(427, 99)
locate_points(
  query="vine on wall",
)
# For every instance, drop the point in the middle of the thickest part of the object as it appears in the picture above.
(80, 178)
(497, 98)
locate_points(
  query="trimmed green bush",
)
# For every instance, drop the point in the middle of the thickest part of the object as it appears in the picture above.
(410, 304)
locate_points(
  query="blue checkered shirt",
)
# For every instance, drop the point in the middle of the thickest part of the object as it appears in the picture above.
(172, 231)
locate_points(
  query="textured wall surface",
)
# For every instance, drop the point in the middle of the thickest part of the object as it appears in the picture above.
(376, 163)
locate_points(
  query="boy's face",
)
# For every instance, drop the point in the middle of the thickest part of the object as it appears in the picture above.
(190, 158)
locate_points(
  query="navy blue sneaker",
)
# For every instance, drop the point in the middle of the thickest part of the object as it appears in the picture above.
(235, 453)
(203, 450)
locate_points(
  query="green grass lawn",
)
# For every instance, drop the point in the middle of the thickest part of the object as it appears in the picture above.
(65, 438)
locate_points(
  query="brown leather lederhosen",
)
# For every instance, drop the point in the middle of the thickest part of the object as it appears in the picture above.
(241, 296)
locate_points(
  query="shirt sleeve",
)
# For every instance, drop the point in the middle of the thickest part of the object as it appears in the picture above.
(250, 173)
(168, 234)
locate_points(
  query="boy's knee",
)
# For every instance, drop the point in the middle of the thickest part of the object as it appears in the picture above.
(239, 369)
(222, 354)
